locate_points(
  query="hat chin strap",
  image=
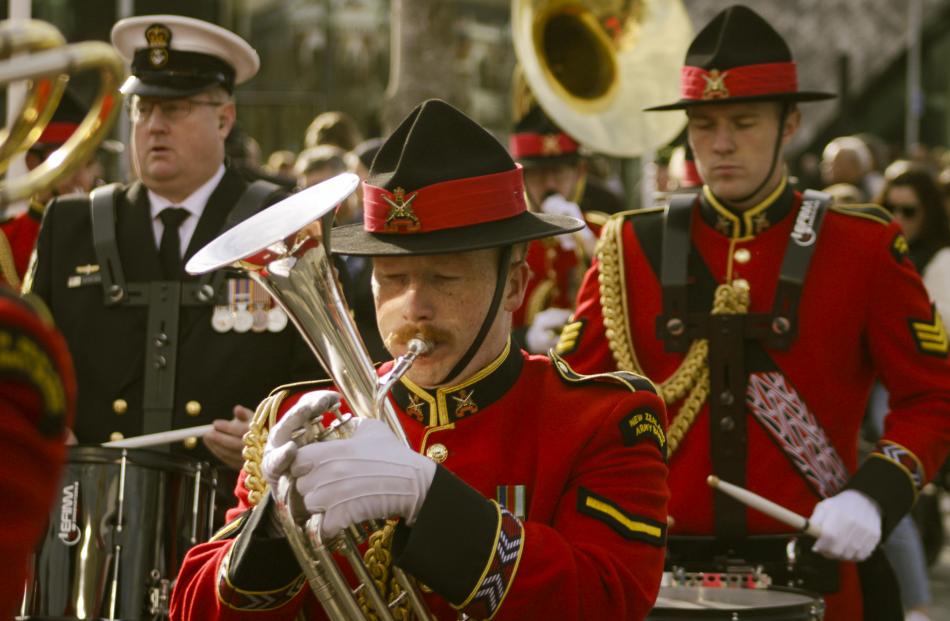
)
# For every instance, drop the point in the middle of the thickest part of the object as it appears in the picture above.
(489, 318)
(778, 143)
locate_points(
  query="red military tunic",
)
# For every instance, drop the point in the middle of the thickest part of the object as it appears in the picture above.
(863, 313)
(37, 392)
(586, 456)
(17, 239)
(556, 273)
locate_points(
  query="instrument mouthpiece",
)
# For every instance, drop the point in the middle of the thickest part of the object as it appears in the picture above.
(418, 346)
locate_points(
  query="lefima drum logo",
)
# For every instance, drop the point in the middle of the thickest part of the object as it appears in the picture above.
(69, 532)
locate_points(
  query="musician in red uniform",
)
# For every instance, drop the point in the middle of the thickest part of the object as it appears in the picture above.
(556, 181)
(530, 492)
(37, 390)
(766, 314)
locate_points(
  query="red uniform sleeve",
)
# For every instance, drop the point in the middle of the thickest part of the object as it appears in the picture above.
(908, 343)
(37, 397)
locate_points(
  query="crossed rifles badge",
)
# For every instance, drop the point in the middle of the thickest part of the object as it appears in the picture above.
(715, 85)
(158, 37)
(401, 218)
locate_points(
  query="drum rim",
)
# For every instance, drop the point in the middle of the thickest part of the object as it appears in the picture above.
(138, 457)
(745, 613)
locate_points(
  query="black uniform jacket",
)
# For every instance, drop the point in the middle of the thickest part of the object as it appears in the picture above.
(214, 370)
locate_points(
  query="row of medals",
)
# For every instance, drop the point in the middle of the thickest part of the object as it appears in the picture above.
(250, 309)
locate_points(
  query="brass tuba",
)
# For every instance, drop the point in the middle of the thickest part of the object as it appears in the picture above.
(286, 249)
(593, 65)
(48, 68)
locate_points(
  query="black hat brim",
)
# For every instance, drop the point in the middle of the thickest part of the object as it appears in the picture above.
(352, 239)
(797, 97)
(174, 89)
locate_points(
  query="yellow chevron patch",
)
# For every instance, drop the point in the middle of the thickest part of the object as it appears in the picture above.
(931, 336)
(629, 526)
(570, 336)
(899, 248)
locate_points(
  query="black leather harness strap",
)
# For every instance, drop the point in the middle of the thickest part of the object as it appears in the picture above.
(783, 322)
(163, 298)
(674, 273)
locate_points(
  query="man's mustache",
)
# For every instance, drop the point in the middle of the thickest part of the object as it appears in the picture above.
(428, 333)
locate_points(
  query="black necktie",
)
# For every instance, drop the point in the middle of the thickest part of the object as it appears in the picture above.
(169, 250)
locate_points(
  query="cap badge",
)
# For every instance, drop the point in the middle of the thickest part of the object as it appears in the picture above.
(550, 145)
(159, 37)
(401, 217)
(715, 85)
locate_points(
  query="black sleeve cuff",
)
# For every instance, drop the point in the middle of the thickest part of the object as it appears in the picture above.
(260, 561)
(453, 538)
(889, 486)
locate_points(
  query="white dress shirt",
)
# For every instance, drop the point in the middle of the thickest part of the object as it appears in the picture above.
(194, 204)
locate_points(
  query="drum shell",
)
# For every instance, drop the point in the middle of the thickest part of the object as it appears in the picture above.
(119, 526)
(773, 604)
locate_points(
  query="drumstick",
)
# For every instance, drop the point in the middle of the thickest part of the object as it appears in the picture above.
(162, 437)
(764, 505)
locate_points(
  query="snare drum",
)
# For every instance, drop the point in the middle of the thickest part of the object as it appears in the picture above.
(681, 603)
(117, 535)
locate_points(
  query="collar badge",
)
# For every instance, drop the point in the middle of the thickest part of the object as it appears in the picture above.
(414, 409)
(464, 404)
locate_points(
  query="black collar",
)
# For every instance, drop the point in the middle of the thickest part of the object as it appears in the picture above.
(748, 222)
(448, 404)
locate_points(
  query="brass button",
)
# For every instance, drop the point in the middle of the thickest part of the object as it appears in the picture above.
(190, 443)
(115, 436)
(120, 406)
(742, 283)
(192, 408)
(437, 453)
(742, 255)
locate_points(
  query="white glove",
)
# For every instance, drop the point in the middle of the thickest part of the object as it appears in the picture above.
(850, 524)
(545, 329)
(280, 450)
(371, 475)
(557, 205)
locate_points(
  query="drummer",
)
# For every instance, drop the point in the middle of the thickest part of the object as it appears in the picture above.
(766, 315)
(538, 493)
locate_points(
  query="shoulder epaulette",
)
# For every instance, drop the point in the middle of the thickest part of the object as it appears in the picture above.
(632, 381)
(597, 218)
(866, 211)
(295, 387)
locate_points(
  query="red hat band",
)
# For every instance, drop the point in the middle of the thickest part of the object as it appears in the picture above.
(526, 144)
(57, 133)
(447, 205)
(746, 81)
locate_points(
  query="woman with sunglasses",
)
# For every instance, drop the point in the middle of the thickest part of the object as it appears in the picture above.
(914, 199)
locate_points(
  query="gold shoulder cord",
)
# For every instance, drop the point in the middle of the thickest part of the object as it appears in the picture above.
(378, 555)
(254, 440)
(7, 264)
(692, 376)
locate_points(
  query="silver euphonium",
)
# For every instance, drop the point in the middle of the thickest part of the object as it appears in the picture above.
(286, 249)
